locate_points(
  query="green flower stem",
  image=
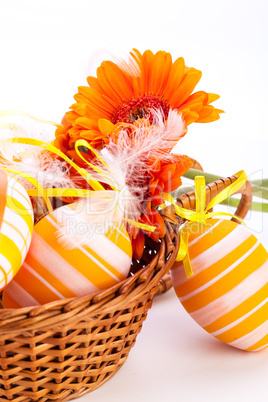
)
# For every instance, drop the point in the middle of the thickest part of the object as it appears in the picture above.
(262, 183)
(192, 173)
(260, 192)
(180, 191)
(255, 206)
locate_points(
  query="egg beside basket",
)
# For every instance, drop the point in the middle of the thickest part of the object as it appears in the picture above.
(64, 349)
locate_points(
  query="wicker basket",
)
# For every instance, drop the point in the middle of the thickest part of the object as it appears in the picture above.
(67, 348)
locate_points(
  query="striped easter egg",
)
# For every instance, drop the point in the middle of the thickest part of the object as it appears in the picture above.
(228, 292)
(53, 271)
(16, 226)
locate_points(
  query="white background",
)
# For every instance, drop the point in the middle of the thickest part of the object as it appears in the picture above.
(47, 48)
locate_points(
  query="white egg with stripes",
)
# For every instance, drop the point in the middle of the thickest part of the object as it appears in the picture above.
(16, 226)
(227, 294)
(55, 270)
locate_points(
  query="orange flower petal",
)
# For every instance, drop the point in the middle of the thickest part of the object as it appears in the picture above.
(119, 81)
(158, 199)
(147, 60)
(94, 83)
(175, 77)
(105, 126)
(166, 73)
(81, 98)
(166, 172)
(212, 98)
(199, 96)
(94, 97)
(190, 117)
(85, 122)
(160, 225)
(112, 102)
(138, 82)
(138, 245)
(153, 186)
(183, 164)
(61, 142)
(70, 117)
(187, 86)
(60, 130)
(176, 183)
(74, 131)
(90, 111)
(64, 122)
(213, 116)
(90, 135)
(193, 107)
(105, 84)
(157, 196)
(132, 231)
(206, 111)
(160, 69)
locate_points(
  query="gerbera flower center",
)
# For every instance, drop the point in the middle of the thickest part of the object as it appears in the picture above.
(140, 107)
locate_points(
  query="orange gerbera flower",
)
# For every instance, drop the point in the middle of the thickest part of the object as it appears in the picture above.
(120, 93)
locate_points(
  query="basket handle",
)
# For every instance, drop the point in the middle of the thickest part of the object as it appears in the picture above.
(219, 185)
(212, 189)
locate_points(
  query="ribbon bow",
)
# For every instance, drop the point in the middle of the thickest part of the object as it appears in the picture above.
(201, 213)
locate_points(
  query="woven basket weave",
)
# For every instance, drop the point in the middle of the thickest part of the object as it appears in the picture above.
(67, 348)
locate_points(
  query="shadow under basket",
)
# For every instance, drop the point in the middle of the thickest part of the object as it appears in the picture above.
(65, 349)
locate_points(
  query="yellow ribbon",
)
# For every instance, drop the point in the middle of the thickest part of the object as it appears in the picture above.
(85, 144)
(69, 192)
(40, 191)
(4, 113)
(201, 213)
(49, 147)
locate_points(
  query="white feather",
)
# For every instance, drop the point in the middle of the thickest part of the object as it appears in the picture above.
(116, 54)
(129, 65)
(158, 140)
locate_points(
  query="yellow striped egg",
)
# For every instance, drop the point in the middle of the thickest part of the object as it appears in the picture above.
(228, 292)
(53, 271)
(16, 226)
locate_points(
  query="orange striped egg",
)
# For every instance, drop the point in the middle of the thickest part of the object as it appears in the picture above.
(228, 292)
(53, 271)
(16, 226)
